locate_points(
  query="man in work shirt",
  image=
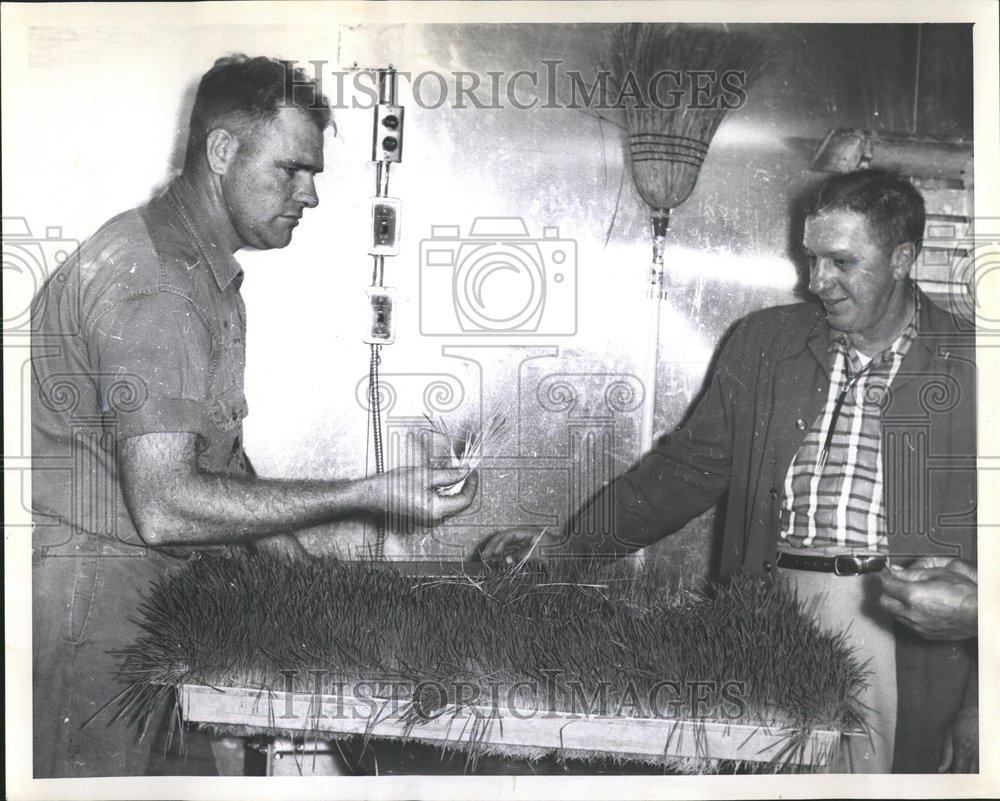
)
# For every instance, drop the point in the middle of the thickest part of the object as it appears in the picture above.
(138, 404)
(841, 432)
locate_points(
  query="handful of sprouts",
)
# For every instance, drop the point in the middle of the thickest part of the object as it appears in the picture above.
(468, 444)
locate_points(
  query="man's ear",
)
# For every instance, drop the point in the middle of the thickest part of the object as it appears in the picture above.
(902, 260)
(220, 148)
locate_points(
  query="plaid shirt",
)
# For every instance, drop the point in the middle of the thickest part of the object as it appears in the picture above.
(833, 488)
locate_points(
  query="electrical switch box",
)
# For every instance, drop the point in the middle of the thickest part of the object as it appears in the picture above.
(387, 144)
(385, 226)
(381, 328)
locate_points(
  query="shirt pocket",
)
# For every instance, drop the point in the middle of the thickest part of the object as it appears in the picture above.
(230, 350)
(228, 371)
(229, 408)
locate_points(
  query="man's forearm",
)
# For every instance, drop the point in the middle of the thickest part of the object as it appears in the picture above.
(204, 508)
(173, 502)
(655, 498)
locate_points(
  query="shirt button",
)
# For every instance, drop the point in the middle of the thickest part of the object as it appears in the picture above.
(800, 424)
(768, 566)
(774, 494)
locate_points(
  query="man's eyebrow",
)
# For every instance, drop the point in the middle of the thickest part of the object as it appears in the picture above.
(300, 165)
(834, 253)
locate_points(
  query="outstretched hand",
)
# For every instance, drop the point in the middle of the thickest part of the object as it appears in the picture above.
(514, 546)
(415, 493)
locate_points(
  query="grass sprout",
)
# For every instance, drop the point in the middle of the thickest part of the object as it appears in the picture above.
(469, 444)
(247, 620)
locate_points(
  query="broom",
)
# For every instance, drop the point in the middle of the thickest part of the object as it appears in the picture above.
(667, 145)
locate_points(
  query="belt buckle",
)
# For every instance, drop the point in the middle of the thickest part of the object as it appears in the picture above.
(853, 562)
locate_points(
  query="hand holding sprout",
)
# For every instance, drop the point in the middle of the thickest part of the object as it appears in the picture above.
(469, 444)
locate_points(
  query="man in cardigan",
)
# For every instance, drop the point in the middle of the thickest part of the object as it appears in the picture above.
(841, 433)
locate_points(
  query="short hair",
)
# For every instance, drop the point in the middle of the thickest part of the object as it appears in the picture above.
(890, 204)
(239, 92)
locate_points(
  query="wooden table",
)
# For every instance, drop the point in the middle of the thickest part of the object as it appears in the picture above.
(284, 712)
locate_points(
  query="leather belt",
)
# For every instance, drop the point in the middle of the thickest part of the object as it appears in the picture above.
(841, 565)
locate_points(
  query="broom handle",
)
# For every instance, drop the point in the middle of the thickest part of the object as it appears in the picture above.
(661, 219)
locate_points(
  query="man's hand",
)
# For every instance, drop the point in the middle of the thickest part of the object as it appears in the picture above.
(413, 493)
(515, 545)
(960, 753)
(937, 598)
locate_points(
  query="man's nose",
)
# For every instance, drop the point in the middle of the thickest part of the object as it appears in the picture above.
(305, 193)
(820, 276)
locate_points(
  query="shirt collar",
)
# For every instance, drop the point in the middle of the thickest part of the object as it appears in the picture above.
(194, 217)
(899, 348)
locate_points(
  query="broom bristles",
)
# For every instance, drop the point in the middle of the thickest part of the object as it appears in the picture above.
(668, 145)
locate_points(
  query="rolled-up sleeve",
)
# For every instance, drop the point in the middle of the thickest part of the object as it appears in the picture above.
(154, 353)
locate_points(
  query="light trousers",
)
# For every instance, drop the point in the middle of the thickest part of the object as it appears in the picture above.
(850, 603)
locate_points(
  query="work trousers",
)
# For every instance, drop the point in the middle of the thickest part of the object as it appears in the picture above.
(850, 604)
(85, 599)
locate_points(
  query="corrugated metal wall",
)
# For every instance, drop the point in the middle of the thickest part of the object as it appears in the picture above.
(573, 401)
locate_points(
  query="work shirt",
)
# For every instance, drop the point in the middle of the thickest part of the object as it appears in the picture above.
(833, 488)
(140, 331)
